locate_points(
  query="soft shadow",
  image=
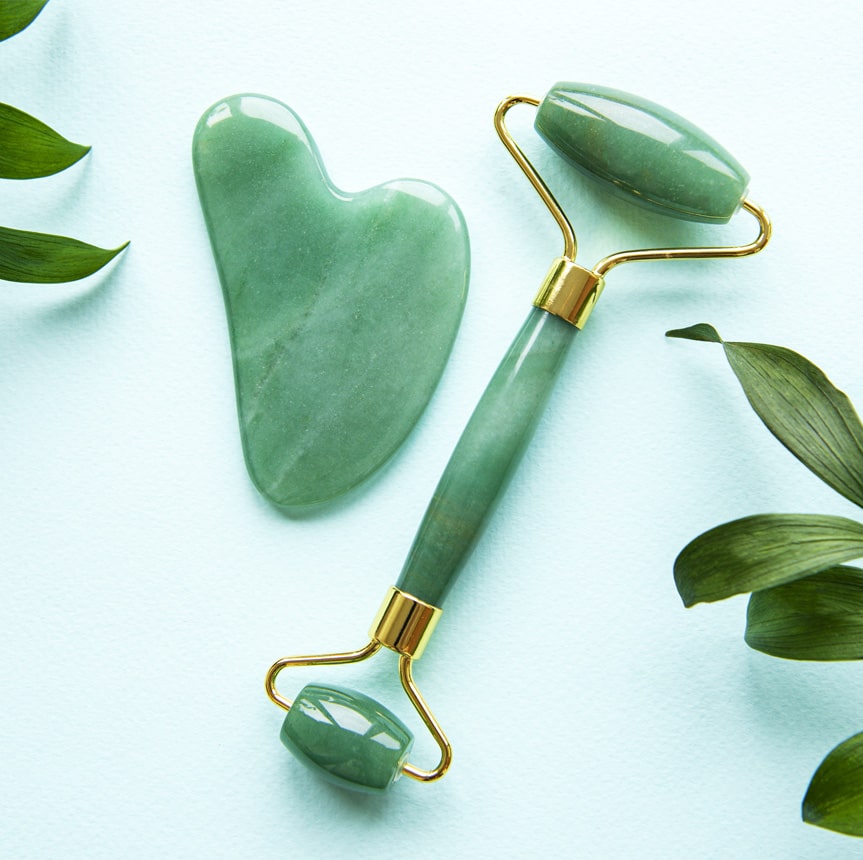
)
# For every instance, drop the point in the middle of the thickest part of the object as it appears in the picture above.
(710, 395)
(340, 804)
(826, 699)
(598, 216)
(94, 292)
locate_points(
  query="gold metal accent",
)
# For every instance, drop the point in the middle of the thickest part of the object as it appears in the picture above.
(432, 725)
(314, 660)
(765, 230)
(405, 623)
(605, 265)
(569, 291)
(570, 245)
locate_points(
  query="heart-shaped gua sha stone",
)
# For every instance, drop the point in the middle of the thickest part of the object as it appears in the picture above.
(342, 308)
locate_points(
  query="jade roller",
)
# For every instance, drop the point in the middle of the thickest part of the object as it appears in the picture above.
(636, 149)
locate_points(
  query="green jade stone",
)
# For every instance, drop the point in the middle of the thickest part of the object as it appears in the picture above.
(486, 456)
(342, 308)
(642, 152)
(347, 738)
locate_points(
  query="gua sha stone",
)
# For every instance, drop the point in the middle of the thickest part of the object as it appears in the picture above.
(342, 308)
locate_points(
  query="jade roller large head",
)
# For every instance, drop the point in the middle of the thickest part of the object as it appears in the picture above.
(641, 151)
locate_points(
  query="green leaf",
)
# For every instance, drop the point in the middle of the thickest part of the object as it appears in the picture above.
(834, 799)
(15, 15)
(700, 331)
(30, 149)
(819, 617)
(39, 258)
(762, 551)
(812, 418)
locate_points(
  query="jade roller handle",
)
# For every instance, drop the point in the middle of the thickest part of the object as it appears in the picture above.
(649, 155)
(487, 453)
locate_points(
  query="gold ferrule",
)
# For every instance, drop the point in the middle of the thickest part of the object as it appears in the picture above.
(405, 623)
(569, 291)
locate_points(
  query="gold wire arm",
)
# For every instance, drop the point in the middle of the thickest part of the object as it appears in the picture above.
(765, 230)
(363, 653)
(434, 727)
(570, 246)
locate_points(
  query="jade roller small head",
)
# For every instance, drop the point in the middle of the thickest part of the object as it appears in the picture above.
(641, 151)
(346, 737)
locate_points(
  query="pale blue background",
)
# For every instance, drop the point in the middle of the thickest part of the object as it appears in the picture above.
(145, 586)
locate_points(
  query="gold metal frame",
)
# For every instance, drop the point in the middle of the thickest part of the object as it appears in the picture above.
(576, 307)
(403, 624)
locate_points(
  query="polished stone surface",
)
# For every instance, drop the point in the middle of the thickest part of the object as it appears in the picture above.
(346, 737)
(642, 152)
(486, 456)
(342, 308)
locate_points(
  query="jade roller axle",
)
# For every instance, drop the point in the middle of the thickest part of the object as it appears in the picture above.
(636, 149)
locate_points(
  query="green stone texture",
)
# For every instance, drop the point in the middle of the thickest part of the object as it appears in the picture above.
(486, 456)
(346, 737)
(642, 151)
(342, 308)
